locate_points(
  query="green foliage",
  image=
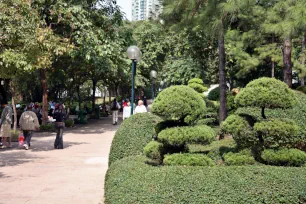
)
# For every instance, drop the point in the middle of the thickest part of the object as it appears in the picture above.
(47, 127)
(244, 157)
(188, 160)
(266, 93)
(241, 131)
(277, 133)
(183, 135)
(214, 95)
(168, 124)
(197, 148)
(228, 184)
(197, 85)
(302, 89)
(133, 135)
(179, 103)
(154, 150)
(284, 157)
(196, 81)
(69, 123)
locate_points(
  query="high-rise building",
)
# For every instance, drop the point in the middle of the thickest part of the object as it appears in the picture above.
(142, 9)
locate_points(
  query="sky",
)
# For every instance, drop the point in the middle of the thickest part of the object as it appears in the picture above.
(126, 7)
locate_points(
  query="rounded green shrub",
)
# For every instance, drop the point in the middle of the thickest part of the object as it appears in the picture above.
(244, 157)
(284, 157)
(302, 89)
(154, 150)
(266, 93)
(277, 133)
(196, 81)
(179, 103)
(214, 95)
(133, 135)
(183, 135)
(188, 160)
(69, 123)
(241, 131)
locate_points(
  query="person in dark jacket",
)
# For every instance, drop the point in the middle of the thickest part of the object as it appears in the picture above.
(60, 117)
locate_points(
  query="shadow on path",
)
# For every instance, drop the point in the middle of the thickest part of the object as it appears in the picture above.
(16, 158)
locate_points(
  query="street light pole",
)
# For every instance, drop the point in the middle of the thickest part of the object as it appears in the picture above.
(133, 85)
(153, 95)
(153, 75)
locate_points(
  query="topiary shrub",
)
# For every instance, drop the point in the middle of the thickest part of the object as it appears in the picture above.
(168, 124)
(183, 135)
(197, 85)
(302, 89)
(243, 157)
(154, 151)
(69, 123)
(214, 95)
(188, 160)
(47, 127)
(179, 103)
(133, 135)
(196, 81)
(241, 131)
(266, 93)
(284, 157)
(276, 133)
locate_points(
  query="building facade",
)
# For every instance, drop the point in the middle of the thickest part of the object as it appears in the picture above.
(143, 9)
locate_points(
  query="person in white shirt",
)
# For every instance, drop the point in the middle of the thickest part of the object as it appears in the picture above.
(140, 108)
(115, 108)
(127, 111)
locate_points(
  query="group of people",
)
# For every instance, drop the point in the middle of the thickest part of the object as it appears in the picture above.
(115, 107)
(28, 123)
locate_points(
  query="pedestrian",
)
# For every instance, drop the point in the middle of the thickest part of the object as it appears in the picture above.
(140, 108)
(115, 107)
(28, 124)
(5, 124)
(60, 117)
(127, 111)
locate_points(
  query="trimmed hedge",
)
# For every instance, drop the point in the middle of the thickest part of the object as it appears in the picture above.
(284, 157)
(133, 135)
(243, 157)
(198, 87)
(302, 89)
(214, 95)
(183, 135)
(154, 150)
(180, 103)
(69, 123)
(188, 160)
(276, 133)
(131, 181)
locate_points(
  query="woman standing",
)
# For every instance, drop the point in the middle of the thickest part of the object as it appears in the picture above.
(60, 117)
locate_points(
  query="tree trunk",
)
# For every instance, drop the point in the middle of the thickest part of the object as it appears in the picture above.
(263, 113)
(79, 97)
(43, 80)
(109, 96)
(94, 85)
(303, 59)
(222, 78)
(272, 62)
(14, 105)
(3, 92)
(287, 52)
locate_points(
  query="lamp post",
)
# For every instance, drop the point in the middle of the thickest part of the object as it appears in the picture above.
(134, 54)
(153, 75)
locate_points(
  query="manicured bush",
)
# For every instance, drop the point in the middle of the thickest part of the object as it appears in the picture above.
(133, 135)
(214, 95)
(69, 123)
(277, 133)
(188, 160)
(196, 81)
(47, 127)
(284, 157)
(183, 135)
(302, 89)
(266, 93)
(154, 151)
(243, 157)
(241, 131)
(168, 124)
(132, 181)
(179, 103)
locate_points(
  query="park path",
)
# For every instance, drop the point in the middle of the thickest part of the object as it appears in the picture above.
(43, 175)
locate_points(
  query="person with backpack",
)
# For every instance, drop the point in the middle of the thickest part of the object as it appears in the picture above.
(5, 124)
(115, 108)
(60, 117)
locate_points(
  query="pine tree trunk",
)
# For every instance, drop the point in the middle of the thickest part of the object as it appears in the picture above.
(303, 59)
(272, 61)
(222, 78)
(14, 105)
(94, 85)
(43, 80)
(287, 52)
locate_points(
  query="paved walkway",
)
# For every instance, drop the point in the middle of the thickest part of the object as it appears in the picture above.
(43, 175)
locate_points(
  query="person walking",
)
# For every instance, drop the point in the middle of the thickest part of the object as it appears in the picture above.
(127, 111)
(140, 108)
(28, 123)
(115, 108)
(5, 124)
(60, 117)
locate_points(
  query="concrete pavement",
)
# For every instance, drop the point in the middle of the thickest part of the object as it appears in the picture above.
(44, 175)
